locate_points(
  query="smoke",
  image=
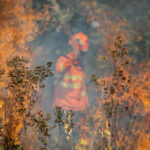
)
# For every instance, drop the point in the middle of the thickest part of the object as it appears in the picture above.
(101, 20)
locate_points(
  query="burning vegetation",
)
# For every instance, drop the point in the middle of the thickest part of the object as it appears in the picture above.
(117, 69)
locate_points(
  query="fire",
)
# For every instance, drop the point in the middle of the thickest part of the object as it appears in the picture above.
(126, 91)
(121, 92)
(18, 27)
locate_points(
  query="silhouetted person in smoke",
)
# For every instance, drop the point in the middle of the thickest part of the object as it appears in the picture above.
(70, 88)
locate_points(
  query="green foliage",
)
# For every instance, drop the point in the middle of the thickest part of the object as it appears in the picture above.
(8, 144)
(23, 88)
(40, 121)
(94, 79)
(64, 118)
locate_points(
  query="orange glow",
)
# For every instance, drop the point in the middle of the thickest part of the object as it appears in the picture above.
(18, 27)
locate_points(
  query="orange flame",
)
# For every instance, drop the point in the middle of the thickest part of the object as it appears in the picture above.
(18, 27)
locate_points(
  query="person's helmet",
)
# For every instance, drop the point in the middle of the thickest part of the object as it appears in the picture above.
(79, 41)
